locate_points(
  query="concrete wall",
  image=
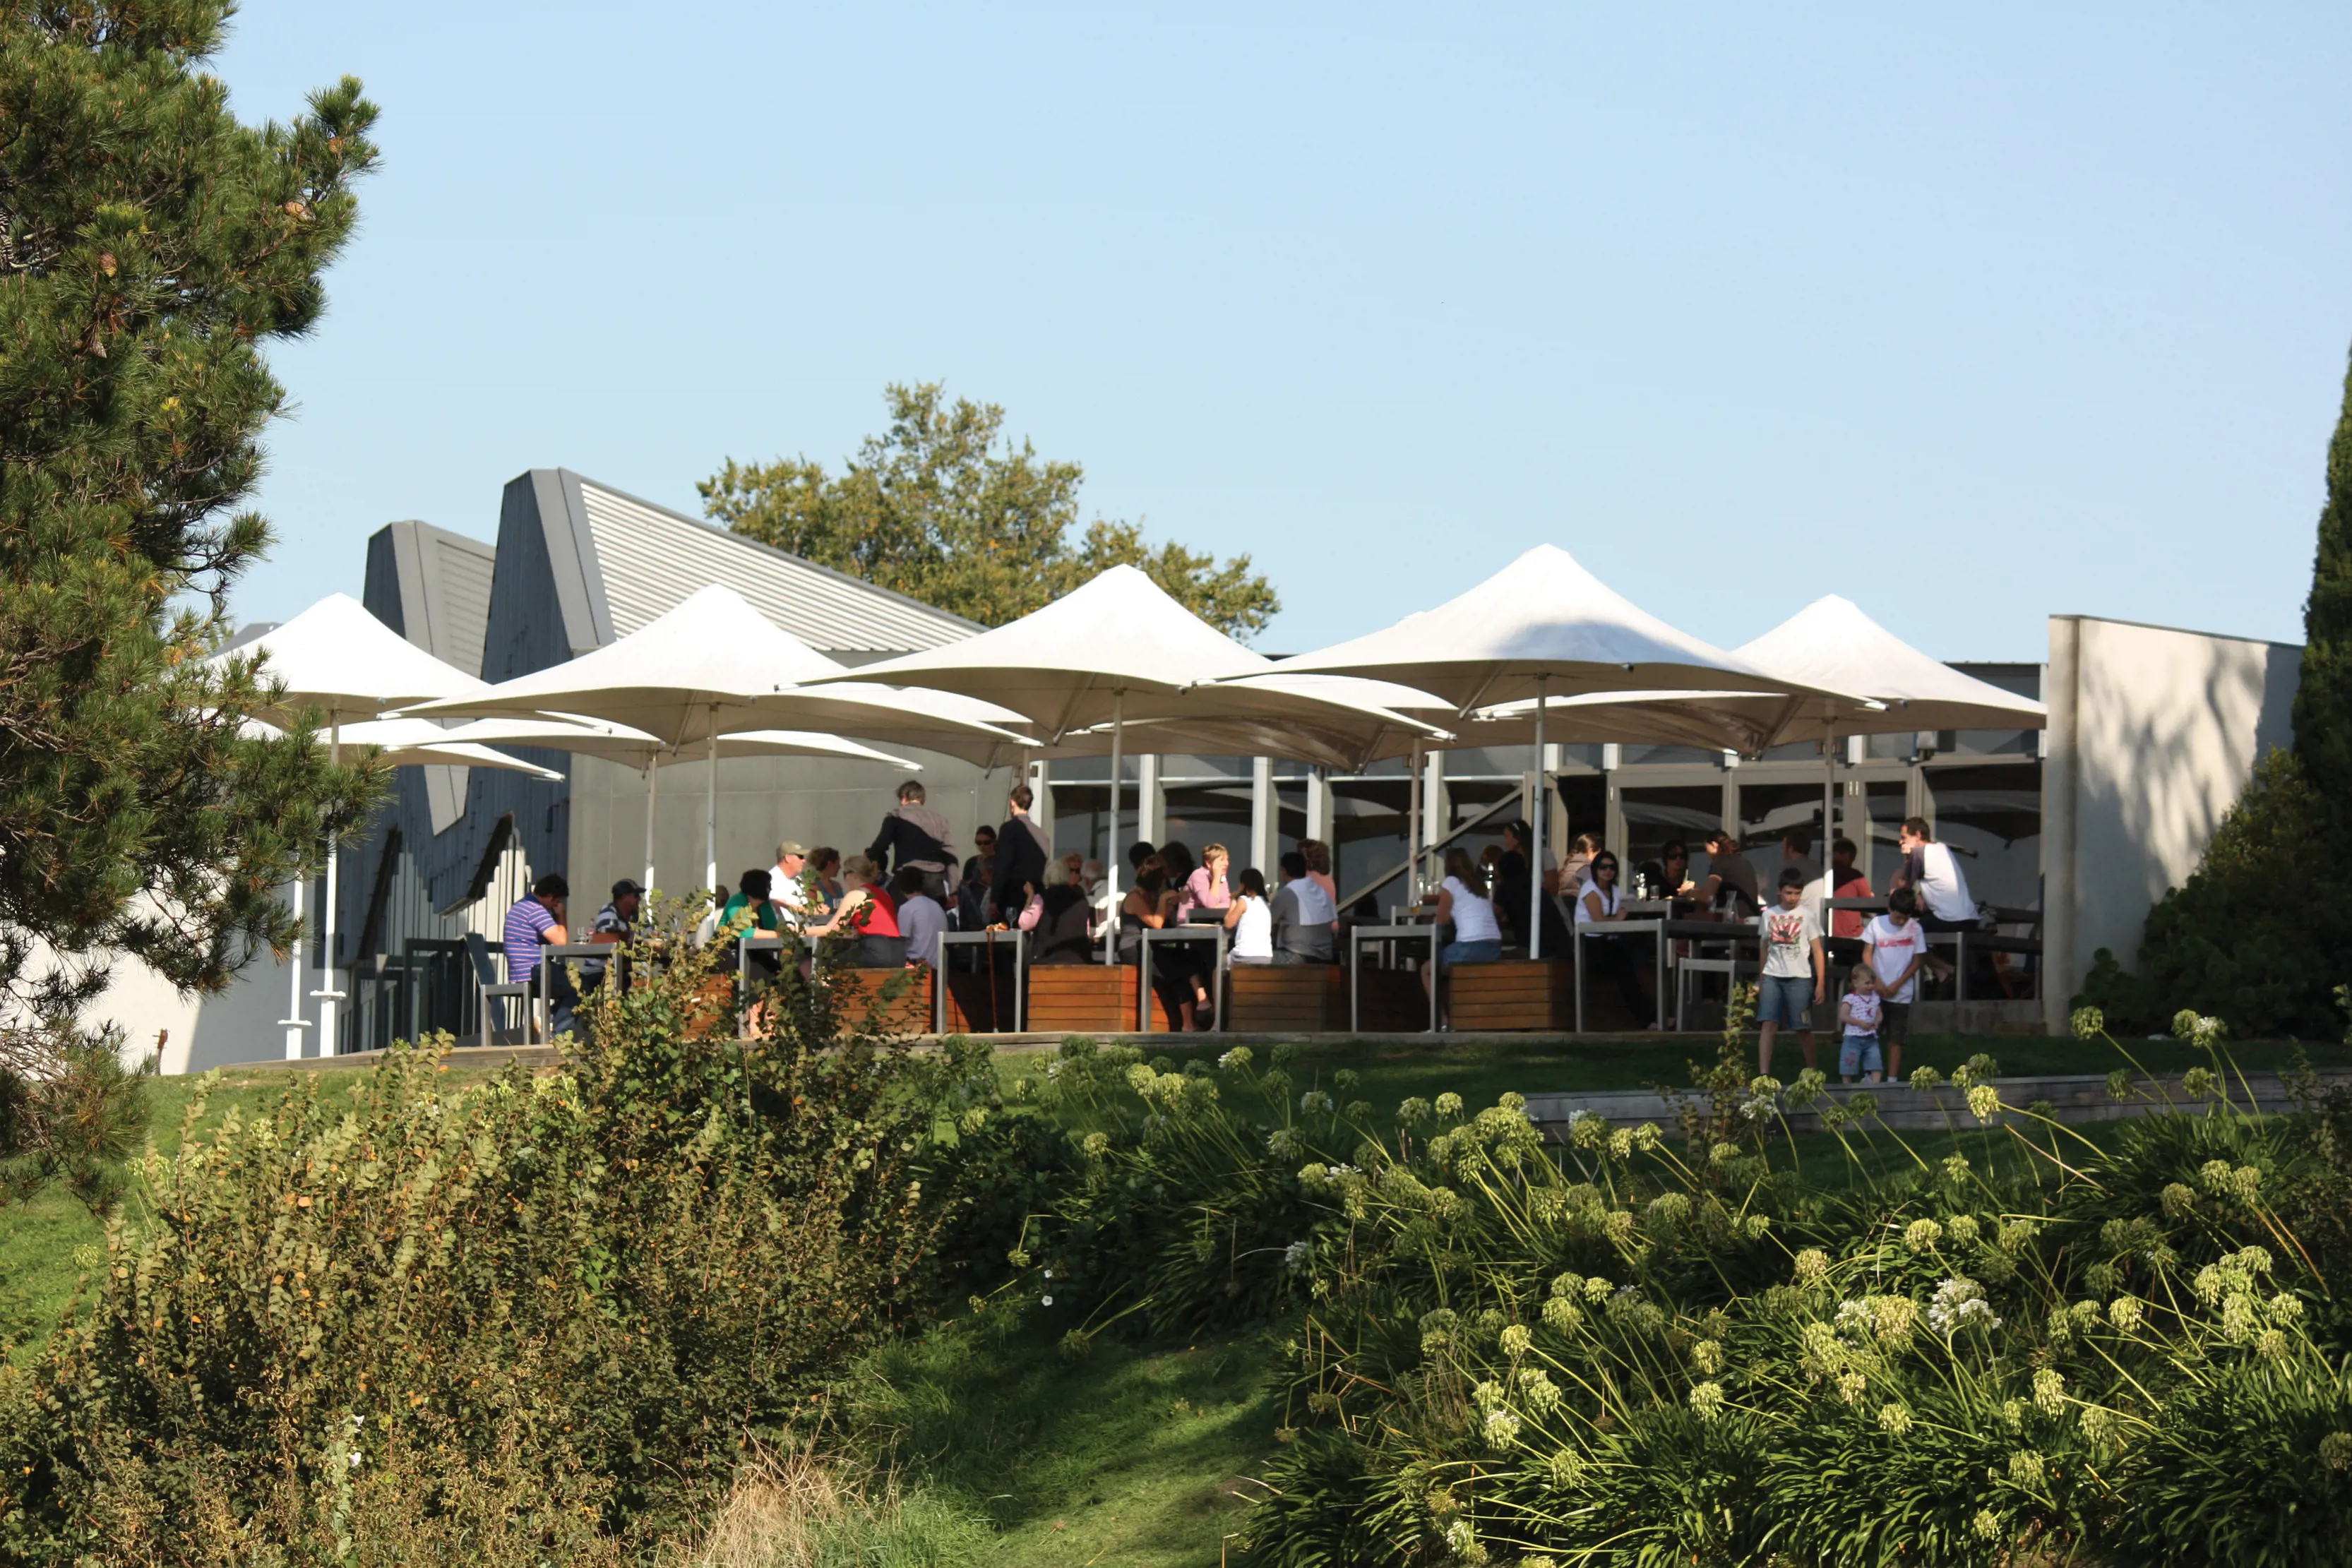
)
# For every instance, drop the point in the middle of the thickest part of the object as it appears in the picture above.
(2153, 734)
(762, 800)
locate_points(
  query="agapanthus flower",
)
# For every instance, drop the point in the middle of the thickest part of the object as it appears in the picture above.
(1894, 1420)
(1958, 1302)
(1706, 1400)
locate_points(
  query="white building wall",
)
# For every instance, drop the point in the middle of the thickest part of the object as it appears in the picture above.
(2153, 734)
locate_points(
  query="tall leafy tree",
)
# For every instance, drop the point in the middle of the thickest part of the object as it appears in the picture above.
(2323, 702)
(150, 246)
(944, 507)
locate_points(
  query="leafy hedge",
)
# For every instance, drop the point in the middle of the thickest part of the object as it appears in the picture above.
(1650, 1347)
(527, 1323)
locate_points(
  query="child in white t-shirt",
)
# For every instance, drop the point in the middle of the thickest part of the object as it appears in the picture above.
(1860, 1012)
(1895, 944)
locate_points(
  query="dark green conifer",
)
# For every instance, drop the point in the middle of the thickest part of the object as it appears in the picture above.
(150, 246)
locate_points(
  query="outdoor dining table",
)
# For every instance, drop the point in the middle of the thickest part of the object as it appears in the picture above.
(550, 954)
(1964, 942)
(1664, 930)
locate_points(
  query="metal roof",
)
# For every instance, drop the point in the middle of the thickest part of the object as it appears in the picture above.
(651, 559)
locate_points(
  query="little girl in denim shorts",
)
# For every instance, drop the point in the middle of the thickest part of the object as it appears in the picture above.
(1860, 1013)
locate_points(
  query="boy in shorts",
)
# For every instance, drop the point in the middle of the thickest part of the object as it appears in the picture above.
(1796, 970)
(1894, 946)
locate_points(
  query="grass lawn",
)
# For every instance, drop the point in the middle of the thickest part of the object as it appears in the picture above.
(49, 1241)
(1133, 1456)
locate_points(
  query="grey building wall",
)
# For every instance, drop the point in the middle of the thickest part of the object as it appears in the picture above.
(2153, 734)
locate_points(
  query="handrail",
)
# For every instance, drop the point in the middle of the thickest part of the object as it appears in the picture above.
(1508, 803)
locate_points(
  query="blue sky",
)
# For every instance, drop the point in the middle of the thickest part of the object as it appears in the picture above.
(1974, 318)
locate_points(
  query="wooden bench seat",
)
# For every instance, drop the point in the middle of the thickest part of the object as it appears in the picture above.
(1302, 999)
(1531, 994)
(1388, 1001)
(1081, 998)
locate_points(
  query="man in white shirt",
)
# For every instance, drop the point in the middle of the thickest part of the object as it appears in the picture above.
(788, 885)
(1935, 871)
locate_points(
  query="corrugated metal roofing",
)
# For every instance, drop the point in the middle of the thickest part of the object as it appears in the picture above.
(652, 559)
(462, 569)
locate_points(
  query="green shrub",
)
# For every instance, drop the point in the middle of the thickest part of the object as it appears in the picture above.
(2255, 935)
(531, 1322)
(1637, 1350)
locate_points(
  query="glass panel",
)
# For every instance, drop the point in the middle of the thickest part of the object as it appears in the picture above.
(1655, 814)
(1368, 829)
(1081, 819)
(1992, 817)
(1199, 815)
(1887, 801)
(1770, 814)
(1587, 799)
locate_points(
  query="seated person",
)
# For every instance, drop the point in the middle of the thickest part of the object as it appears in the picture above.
(615, 926)
(1669, 878)
(1249, 918)
(1846, 925)
(1060, 920)
(1730, 890)
(921, 920)
(533, 922)
(1602, 903)
(1462, 902)
(751, 912)
(868, 913)
(1208, 889)
(1303, 915)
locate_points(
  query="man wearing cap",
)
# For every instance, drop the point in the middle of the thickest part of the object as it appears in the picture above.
(788, 885)
(616, 923)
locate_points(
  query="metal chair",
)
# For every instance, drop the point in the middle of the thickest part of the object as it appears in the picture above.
(1728, 967)
(488, 988)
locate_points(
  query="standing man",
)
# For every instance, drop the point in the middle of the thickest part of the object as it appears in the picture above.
(1021, 854)
(913, 835)
(615, 926)
(533, 922)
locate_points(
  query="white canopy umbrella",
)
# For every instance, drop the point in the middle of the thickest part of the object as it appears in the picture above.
(1118, 649)
(1542, 627)
(1831, 642)
(338, 658)
(636, 748)
(713, 665)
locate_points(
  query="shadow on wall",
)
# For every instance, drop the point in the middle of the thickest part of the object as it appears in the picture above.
(2169, 727)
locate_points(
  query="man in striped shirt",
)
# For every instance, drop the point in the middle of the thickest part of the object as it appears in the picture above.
(537, 920)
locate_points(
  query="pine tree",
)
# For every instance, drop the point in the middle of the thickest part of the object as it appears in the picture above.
(2323, 702)
(149, 246)
(945, 508)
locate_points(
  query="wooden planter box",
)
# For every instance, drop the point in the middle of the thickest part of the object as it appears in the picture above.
(1303, 999)
(1539, 994)
(859, 1001)
(1081, 998)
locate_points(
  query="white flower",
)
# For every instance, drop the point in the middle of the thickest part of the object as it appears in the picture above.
(1297, 1256)
(1046, 1302)
(1959, 1300)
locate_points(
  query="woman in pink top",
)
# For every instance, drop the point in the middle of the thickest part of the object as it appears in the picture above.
(1206, 888)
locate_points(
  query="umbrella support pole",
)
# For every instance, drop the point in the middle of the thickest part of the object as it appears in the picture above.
(1828, 828)
(294, 1021)
(710, 822)
(1412, 831)
(1110, 856)
(326, 994)
(1542, 804)
(653, 785)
